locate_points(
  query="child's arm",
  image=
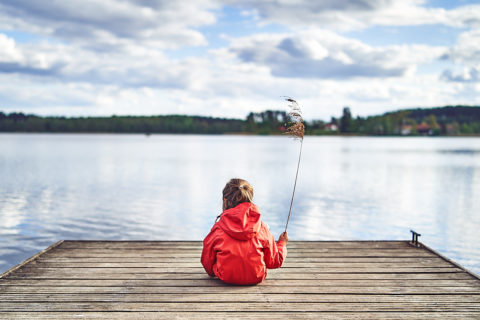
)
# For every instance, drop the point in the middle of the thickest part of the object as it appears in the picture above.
(283, 237)
(275, 253)
(209, 253)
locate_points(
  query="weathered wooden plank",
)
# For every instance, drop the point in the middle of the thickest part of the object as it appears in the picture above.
(308, 270)
(199, 248)
(279, 275)
(235, 307)
(196, 259)
(160, 257)
(352, 279)
(214, 283)
(271, 282)
(304, 244)
(133, 272)
(173, 250)
(240, 289)
(192, 315)
(93, 281)
(242, 297)
(284, 273)
(291, 282)
(274, 274)
(292, 254)
(286, 264)
(452, 262)
(308, 248)
(32, 258)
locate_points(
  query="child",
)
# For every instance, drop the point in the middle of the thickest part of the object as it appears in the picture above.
(240, 248)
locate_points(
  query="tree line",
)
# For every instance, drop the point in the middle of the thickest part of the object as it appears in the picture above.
(449, 120)
(19, 122)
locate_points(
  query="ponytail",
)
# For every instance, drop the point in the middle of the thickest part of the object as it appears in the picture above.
(235, 192)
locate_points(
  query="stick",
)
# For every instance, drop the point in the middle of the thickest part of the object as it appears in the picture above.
(295, 185)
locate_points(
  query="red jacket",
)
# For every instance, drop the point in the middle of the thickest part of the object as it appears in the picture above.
(240, 248)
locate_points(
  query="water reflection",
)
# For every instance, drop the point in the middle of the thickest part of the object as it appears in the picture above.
(56, 187)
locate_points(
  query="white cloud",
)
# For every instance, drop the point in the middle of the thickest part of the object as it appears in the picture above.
(9, 50)
(464, 16)
(359, 14)
(466, 55)
(110, 24)
(466, 75)
(467, 49)
(142, 67)
(115, 57)
(324, 54)
(41, 59)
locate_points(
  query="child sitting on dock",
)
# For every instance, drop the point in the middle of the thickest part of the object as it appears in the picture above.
(240, 248)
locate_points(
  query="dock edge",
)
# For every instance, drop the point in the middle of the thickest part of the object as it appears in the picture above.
(35, 256)
(450, 261)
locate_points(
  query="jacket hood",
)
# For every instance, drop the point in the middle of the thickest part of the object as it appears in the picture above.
(241, 222)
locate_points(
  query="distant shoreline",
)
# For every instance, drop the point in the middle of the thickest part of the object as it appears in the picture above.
(443, 121)
(240, 134)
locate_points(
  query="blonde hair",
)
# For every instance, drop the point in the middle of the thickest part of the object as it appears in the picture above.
(235, 192)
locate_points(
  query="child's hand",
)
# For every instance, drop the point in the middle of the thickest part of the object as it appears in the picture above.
(283, 237)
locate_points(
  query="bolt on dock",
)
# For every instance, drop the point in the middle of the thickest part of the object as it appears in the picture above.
(165, 280)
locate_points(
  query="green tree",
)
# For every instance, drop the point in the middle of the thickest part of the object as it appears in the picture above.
(431, 120)
(413, 123)
(466, 129)
(387, 126)
(346, 121)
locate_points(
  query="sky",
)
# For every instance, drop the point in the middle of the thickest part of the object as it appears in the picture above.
(228, 58)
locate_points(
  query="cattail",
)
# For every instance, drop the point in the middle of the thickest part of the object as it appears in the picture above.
(296, 130)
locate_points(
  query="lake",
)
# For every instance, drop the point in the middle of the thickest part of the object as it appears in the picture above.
(168, 187)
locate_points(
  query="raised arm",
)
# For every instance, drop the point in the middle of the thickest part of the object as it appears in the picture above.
(274, 253)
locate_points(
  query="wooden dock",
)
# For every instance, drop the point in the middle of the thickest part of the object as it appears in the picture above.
(165, 280)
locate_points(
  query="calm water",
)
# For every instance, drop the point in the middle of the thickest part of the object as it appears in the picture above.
(56, 187)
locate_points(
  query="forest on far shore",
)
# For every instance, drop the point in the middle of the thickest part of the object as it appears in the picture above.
(445, 121)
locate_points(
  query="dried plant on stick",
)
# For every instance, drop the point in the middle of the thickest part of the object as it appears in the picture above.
(296, 130)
